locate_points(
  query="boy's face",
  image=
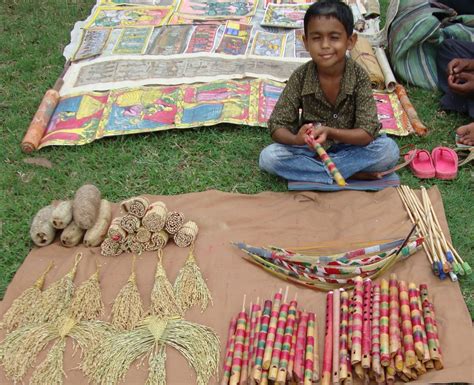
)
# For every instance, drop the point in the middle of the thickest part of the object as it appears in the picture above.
(327, 41)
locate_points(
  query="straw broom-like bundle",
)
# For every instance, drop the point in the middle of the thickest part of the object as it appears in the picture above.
(155, 218)
(127, 309)
(157, 241)
(115, 231)
(186, 235)
(143, 235)
(190, 287)
(130, 223)
(22, 308)
(110, 248)
(174, 221)
(136, 206)
(131, 244)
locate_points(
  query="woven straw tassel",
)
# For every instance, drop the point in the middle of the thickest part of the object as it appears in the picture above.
(137, 206)
(186, 235)
(87, 303)
(23, 308)
(56, 299)
(50, 371)
(163, 301)
(157, 366)
(127, 309)
(155, 218)
(190, 288)
(174, 221)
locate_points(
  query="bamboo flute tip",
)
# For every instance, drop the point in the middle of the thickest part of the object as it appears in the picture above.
(243, 302)
(286, 294)
(258, 301)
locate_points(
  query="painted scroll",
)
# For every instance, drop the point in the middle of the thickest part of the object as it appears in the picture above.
(285, 15)
(268, 44)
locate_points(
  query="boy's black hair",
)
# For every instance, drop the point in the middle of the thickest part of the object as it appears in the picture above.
(331, 8)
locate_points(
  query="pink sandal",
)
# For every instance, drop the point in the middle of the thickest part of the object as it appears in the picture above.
(445, 161)
(421, 164)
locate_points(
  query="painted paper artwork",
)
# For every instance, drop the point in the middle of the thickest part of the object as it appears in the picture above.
(300, 50)
(169, 40)
(268, 44)
(216, 9)
(285, 15)
(291, 1)
(133, 41)
(235, 39)
(92, 44)
(115, 17)
(83, 118)
(391, 114)
(202, 38)
(164, 3)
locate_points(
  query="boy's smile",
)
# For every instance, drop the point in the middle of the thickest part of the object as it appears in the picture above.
(327, 43)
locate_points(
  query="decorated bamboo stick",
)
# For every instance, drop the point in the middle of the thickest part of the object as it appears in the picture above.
(264, 380)
(309, 351)
(229, 351)
(399, 363)
(267, 355)
(366, 324)
(316, 351)
(254, 329)
(327, 357)
(376, 366)
(262, 337)
(238, 347)
(343, 352)
(394, 323)
(298, 368)
(438, 363)
(336, 311)
(291, 357)
(384, 330)
(349, 378)
(416, 321)
(349, 325)
(407, 328)
(356, 351)
(286, 346)
(245, 353)
(431, 330)
(426, 351)
(390, 372)
(277, 347)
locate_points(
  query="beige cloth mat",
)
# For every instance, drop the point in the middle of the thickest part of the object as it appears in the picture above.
(283, 219)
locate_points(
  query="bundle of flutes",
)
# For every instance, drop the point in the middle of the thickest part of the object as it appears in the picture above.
(379, 331)
(443, 257)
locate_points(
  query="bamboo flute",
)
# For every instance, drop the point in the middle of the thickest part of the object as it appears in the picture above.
(356, 351)
(384, 331)
(376, 366)
(343, 352)
(366, 324)
(349, 324)
(298, 368)
(407, 328)
(262, 337)
(277, 347)
(439, 363)
(416, 321)
(229, 351)
(327, 357)
(264, 380)
(394, 307)
(426, 351)
(349, 378)
(239, 346)
(431, 330)
(390, 372)
(399, 364)
(286, 346)
(254, 318)
(336, 311)
(309, 351)
(267, 355)
(316, 351)
(291, 357)
(245, 353)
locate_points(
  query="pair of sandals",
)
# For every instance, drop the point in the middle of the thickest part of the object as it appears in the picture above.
(441, 163)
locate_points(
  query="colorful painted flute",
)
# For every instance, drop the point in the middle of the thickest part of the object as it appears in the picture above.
(394, 324)
(245, 354)
(229, 351)
(316, 351)
(356, 351)
(336, 311)
(407, 328)
(277, 347)
(238, 348)
(384, 330)
(327, 357)
(343, 352)
(267, 355)
(309, 351)
(416, 321)
(262, 338)
(376, 366)
(298, 368)
(426, 350)
(431, 331)
(291, 358)
(366, 324)
(254, 329)
(286, 346)
(328, 162)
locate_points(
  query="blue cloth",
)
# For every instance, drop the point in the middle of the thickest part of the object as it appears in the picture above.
(300, 163)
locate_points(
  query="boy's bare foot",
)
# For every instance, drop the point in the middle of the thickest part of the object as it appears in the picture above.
(367, 176)
(466, 134)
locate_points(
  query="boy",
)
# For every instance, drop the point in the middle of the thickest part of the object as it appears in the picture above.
(337, 108)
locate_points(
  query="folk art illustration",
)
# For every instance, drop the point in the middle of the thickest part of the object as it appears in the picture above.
(216, 9)
(117, 17)
(284, 15)
(133, 40)
(268, 44)
(235, 39)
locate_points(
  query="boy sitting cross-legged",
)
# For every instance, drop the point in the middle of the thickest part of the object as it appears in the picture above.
(334, 96)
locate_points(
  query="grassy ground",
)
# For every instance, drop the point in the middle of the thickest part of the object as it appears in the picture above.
(225, 157)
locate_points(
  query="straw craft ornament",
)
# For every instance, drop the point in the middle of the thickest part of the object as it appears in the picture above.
(115, 232)
(371, 358)
(186, 235)
(155, 218)
(130, 223)
(327, 272)
(174, 221)
(137, 206)
(158, 241)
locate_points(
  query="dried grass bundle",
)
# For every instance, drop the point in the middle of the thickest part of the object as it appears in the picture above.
(136, 206)
(115, 231)
(127, 309)
(174, 221)
(131, 244)
(186, 235)
(190, 288)
(163, 301)
(25, 306)
(87, 303)
(130, 223)
(158, 241)
(50, 371)
(143, 235)
(154, 220)
(110, 248)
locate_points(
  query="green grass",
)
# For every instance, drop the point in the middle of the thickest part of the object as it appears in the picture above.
(225, 157)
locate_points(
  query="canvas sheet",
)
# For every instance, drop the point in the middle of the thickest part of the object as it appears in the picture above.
(131, 71)
(283, 219)
(83, 118)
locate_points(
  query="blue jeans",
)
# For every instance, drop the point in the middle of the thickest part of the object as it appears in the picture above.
(300, 163)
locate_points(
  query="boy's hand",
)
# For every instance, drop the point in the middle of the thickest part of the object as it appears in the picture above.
(458, 65)
(318, 134)
(462, 83)
(300, 137)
